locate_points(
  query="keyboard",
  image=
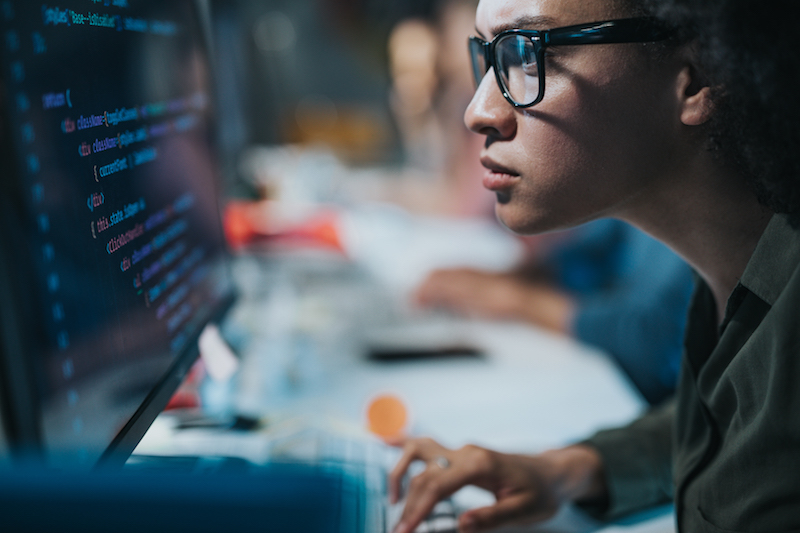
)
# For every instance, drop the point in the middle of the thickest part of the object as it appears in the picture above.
(443, 518)
(356, 456)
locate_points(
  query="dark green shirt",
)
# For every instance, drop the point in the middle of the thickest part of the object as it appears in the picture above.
(728, 448)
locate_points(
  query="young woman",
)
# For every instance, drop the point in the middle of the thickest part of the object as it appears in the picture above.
(592, 108)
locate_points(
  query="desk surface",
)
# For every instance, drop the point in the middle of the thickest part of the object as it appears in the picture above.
(532, 390)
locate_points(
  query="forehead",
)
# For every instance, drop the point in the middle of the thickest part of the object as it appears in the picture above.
(494, 16)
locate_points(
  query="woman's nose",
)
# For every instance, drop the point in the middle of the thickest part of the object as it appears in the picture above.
(489, 113)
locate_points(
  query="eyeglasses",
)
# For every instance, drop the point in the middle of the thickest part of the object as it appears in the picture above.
(517, 56)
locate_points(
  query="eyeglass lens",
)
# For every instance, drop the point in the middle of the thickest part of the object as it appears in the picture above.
(515, 60)
(479, 66)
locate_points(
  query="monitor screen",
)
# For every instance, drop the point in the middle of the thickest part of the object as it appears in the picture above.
(112, 253)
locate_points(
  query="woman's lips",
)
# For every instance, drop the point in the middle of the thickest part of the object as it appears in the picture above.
(498, 177)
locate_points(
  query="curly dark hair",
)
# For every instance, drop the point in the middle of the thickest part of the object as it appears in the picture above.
(748, 51)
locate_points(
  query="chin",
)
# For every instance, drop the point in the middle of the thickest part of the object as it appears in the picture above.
(519, 221)
(525, 220)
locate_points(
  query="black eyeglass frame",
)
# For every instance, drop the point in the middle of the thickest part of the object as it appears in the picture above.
(630, 30)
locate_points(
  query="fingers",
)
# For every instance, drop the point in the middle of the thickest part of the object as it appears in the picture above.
(425, 491)
(399, 470)
(509, 510)
(444, 287)
(474, 293)
(396, 442)
(413, 450)
(527, 488)
(503, 512)
(442, 478)
(526, 506)
(396, 476)
(429, 292)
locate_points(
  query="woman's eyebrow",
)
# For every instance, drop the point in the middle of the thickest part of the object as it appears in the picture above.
(526, 22)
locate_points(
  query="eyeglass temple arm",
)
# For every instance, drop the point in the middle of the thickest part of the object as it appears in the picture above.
(610, 32)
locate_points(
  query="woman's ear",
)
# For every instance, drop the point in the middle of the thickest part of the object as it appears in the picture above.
(695, 98)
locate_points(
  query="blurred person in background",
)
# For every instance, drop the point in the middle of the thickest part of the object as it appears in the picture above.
(606, 284)
(429, 94)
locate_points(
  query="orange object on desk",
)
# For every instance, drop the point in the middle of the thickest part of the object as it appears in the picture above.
(387, 416)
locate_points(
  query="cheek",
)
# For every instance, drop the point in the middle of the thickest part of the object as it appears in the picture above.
(609, 102)
(559, 187)
(579, 163)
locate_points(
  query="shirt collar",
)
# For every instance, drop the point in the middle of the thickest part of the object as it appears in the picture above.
(774, 260)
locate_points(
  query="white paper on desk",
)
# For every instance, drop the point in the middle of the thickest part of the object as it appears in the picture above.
(220, 362)
(400, 249)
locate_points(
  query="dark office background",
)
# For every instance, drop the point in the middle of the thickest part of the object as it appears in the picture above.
(282, 62)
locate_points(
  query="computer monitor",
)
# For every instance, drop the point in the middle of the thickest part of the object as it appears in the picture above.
(112, 256)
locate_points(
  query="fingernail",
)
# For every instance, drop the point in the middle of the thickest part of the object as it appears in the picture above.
(400, 528)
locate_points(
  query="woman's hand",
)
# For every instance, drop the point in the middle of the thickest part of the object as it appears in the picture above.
(527, 488)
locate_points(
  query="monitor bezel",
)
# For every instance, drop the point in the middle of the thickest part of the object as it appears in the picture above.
(20, 404)
(121, 447)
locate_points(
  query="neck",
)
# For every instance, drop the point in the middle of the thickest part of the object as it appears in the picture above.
(710, 217)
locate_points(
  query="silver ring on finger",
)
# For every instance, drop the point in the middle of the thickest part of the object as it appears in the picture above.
(442, 462)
